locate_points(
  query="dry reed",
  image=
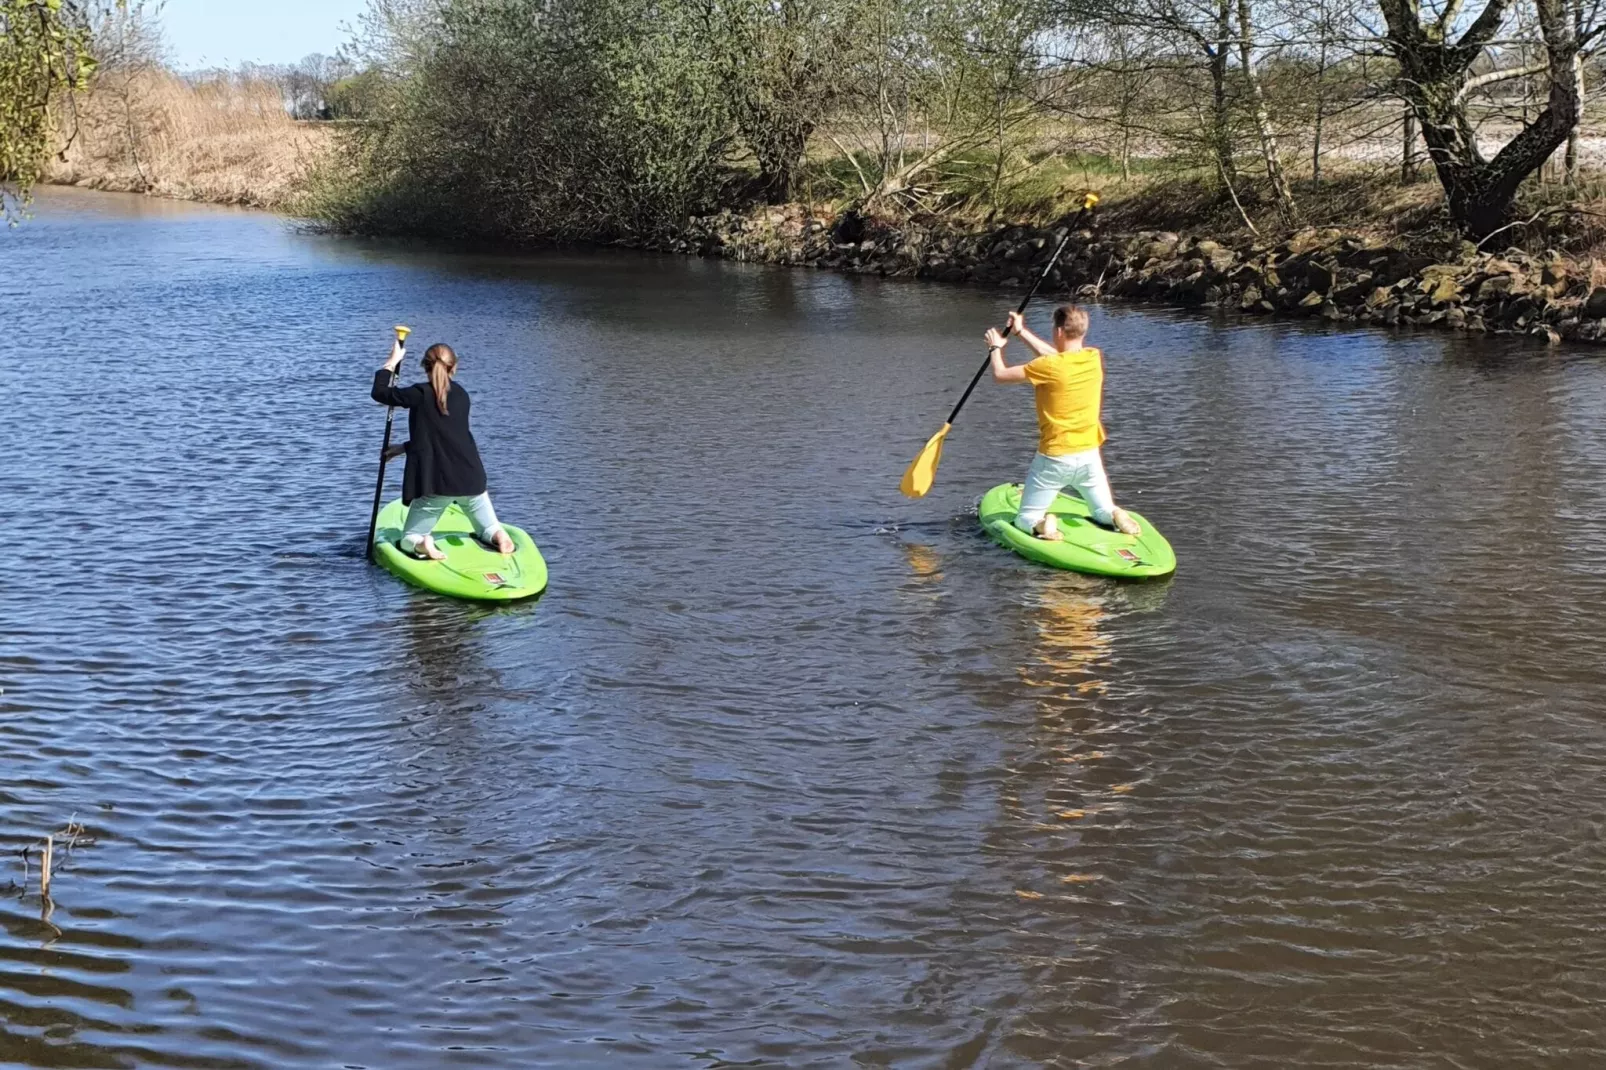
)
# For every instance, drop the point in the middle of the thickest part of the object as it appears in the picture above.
(224, 139)
(47, 867)
(53, 856)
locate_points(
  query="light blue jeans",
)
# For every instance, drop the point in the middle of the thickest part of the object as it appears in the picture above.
(1082, 472)
(424, 512)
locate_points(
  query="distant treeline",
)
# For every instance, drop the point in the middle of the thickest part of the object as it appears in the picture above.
(318, 87)
(597, 118)
(531, 119)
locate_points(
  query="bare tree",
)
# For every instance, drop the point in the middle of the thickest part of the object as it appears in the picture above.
(1437, 79)
(1130, 79)
(1195, 42)
(129, 41)
(1327, 44)
(1112, 78)
(310, 84)
(1573, 135)
(928, 85)
(1281, 194)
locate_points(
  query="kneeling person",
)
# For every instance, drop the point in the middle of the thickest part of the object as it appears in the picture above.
(443, 462)
(1069, 379)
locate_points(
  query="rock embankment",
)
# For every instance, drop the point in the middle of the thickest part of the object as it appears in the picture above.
(1329, 274)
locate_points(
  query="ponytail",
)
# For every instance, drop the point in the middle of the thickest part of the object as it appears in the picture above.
(440, 364)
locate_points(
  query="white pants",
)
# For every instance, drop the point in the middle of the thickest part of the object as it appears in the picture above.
(424, 512)
(1082, 472)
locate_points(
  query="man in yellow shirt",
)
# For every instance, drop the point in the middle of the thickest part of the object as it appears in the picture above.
(1069, 379)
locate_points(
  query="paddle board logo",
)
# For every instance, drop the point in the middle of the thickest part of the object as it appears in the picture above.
(1129, 557)
(496, 578)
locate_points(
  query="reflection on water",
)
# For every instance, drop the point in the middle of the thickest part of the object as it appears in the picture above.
(784, 770)
(1068, 645)
(925, 562)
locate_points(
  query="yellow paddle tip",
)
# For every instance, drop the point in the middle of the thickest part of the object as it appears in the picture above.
(1089, 199)
(402, 333)
(922, 471)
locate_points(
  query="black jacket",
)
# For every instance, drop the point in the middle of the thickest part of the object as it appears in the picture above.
(441, 455)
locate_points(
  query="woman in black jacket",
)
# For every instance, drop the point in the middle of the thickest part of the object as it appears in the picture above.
(443, 464)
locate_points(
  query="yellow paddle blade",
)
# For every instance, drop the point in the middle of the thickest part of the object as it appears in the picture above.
(923, 469)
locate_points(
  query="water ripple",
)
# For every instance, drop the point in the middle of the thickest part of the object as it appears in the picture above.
(784, 771)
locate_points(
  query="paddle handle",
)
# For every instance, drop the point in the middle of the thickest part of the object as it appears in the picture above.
(384, 449)
(1088, 202)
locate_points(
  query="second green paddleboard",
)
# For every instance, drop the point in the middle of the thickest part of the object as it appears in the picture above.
(471, 570)
(1087, 547)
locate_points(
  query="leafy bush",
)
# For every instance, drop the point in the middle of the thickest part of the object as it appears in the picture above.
(535, 119)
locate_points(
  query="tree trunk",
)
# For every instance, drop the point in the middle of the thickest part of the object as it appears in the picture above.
(776, 185)
(780, 158)
(1321, 113)
(1408, 149)
(1573, 134)
(999, 159)
(1482, 194)
(1220, 113)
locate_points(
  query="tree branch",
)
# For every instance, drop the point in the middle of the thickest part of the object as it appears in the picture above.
(1478, 81)
(1447, 19)
(1560, 209)
(1484, 27)
(843, 149)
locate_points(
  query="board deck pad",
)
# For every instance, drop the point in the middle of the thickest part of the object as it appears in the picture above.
(471, 570)
(1087, 546)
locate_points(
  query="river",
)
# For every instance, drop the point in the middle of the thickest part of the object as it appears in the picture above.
(783, 770)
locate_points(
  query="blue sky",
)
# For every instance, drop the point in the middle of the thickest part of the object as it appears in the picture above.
(222, 33)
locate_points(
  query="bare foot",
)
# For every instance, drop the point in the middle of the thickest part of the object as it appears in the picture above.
(1125, 524)
(1048, 529)
(504, 542)
(427, 549)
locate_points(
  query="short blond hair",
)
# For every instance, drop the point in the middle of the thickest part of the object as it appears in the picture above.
(1071, 320)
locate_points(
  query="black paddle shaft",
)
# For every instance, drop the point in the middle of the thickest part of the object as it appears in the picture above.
(379, 484)
(1055, 259)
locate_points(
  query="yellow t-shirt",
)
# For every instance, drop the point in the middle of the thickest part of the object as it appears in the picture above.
(1070, 390)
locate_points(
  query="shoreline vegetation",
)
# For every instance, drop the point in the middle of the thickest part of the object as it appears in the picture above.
(1270, 173)
(223, 139)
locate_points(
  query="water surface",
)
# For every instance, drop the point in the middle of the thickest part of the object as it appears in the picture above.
(784, 770)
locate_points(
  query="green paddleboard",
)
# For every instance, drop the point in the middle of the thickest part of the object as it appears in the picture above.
(1087, 547)
(470, 570)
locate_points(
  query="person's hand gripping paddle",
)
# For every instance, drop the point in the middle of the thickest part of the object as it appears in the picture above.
(922, 471)
(384, 450)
